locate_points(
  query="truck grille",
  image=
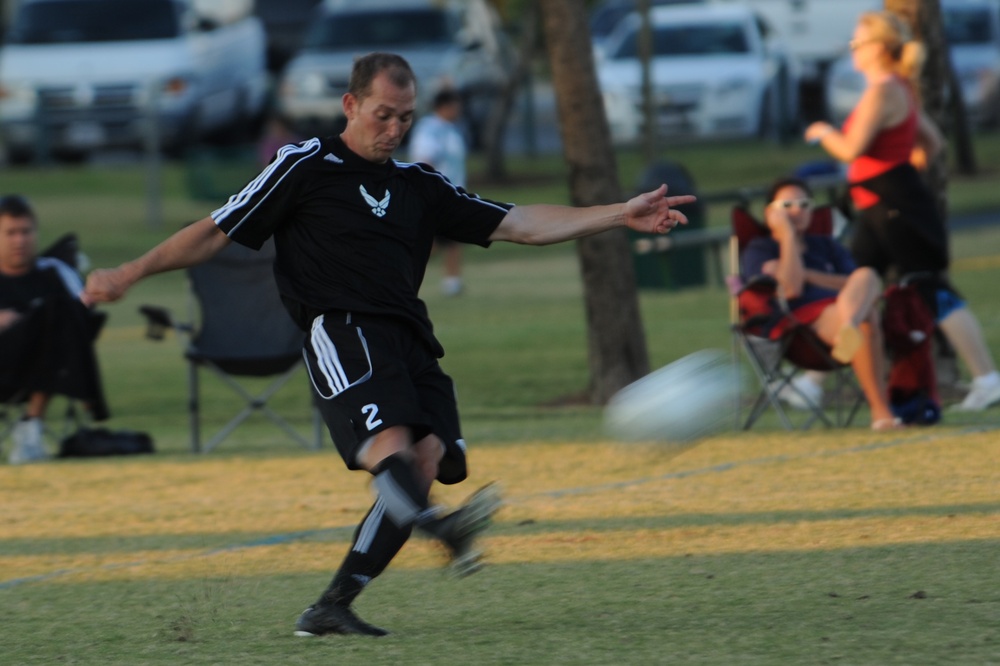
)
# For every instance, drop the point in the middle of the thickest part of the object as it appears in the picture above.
(71, 100)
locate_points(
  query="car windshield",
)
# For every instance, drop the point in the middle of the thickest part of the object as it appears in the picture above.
(968, 25)
(72, 21)
(366, 29)
(606, 16)
(688, 40)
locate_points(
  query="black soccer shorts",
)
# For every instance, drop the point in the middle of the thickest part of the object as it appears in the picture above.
(370, 373)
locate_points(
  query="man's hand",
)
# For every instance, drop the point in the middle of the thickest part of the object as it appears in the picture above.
(105, 285)
(8, 318)
(779, 222)
(653, 212)
(817, 130)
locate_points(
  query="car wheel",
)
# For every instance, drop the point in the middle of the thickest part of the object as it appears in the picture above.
(188, 136)
(69, 156)
(19, 156)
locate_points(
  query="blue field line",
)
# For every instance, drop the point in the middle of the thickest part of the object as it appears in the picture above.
(288, 537)
(273, 540)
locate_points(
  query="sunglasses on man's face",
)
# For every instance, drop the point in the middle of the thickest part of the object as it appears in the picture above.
(803, 204)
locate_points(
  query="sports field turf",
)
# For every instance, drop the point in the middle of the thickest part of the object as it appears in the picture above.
(830, 546)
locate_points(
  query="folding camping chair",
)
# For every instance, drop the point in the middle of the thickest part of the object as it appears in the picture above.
(67, 249)
(755, 306)
(243, 331)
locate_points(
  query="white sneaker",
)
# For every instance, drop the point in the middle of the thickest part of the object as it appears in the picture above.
(451, 286)
(28, 446)
(980, 397)
(808, 392)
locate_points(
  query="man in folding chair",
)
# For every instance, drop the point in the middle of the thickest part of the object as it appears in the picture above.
(46, 333)
(817, 277)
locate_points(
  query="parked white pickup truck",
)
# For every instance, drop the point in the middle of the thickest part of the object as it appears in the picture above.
(816, 31)
(79, 75)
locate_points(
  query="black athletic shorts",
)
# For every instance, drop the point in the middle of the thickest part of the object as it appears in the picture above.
(370, 373)
(886, 237)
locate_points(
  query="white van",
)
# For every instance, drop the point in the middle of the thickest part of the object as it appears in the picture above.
(79, 75)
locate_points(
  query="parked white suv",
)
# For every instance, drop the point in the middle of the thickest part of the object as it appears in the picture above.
(716, 71)
(453, 42)
(79, 75)
(972, 29)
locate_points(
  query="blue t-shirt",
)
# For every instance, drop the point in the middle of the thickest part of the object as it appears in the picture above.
(437, 142)
(822, 254)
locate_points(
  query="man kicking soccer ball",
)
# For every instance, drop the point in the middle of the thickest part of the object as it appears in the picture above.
(353, 230)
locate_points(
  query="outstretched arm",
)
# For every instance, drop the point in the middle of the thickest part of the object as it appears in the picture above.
(191, 245)
(877, 109)
(543, 224)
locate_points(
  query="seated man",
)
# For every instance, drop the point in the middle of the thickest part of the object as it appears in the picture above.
(46, 333)
(824, 290)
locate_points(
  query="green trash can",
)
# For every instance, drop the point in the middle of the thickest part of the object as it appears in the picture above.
(215, 173)
(675, 269)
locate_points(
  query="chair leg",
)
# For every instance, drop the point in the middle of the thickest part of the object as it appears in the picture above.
(258, 403)
(846, 384)
(194, 405)
(319, 429)
(738, 372)
(766, 396)
(7, 423)
(227, 429)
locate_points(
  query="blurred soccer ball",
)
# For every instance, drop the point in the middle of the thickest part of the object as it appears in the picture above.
(691, 398)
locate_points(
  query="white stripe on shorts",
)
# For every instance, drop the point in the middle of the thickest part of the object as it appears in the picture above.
(328, 361)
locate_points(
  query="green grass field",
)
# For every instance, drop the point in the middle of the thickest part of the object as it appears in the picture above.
(768, 547)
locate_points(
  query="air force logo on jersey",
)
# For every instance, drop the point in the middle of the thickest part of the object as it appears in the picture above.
(378, 207)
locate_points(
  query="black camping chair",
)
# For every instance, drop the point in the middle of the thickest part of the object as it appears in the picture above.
(243, 331)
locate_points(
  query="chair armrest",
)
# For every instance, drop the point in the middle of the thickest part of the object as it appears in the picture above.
(761, 284)
(158, 320)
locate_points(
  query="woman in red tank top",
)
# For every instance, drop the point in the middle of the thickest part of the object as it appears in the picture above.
(887, 125)
(899, 230)
(889, 148)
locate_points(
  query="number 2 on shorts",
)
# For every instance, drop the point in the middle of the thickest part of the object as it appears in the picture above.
(372, 421)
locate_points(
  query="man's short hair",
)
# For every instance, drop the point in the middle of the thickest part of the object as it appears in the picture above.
(16, 205)
(444, 97)
(367, 67)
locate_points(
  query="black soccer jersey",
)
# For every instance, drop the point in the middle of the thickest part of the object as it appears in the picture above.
(50, 278)
(351, 234)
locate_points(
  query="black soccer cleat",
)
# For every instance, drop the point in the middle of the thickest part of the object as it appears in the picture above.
(321, 620)
(465, 525)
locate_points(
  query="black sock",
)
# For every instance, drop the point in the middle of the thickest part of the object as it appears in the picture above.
(406, 504)
(376, 542)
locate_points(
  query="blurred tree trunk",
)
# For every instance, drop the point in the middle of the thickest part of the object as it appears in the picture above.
(961, 132)
(616, 339)
(925, 20)
(499, 117)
